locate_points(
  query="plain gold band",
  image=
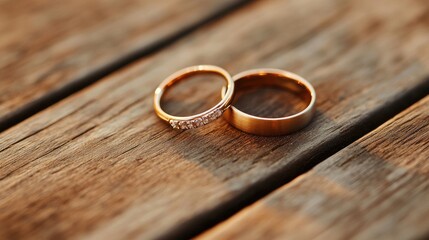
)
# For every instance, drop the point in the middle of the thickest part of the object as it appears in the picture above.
(200, 119)
(272, 126)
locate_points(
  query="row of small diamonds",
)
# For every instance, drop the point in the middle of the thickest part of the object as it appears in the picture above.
(197, 122)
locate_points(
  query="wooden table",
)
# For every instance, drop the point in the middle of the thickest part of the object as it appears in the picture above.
(82, 154)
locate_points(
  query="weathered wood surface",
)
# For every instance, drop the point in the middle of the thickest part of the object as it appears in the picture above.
(376, 188)
(100, 163)
(48, 48)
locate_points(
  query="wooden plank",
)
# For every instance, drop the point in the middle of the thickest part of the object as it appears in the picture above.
(100, 163)
(49, 49)
(377, 188)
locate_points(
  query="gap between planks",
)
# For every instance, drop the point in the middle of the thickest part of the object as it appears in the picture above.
(376, 188)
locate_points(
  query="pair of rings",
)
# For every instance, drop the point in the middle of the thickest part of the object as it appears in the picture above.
(239, 119)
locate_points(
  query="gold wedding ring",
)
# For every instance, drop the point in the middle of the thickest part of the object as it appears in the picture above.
(272, 126)
(200, 119)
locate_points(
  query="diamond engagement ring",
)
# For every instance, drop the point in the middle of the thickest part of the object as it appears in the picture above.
(200, 119)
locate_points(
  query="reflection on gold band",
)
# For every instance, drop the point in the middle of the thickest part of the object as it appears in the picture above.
(272, 126)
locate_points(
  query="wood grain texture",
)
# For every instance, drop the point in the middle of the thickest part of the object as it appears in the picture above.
(376, 188)
(100, 164)
(48, 46)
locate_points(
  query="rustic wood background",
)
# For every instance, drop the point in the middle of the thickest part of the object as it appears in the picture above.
(82, 154)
